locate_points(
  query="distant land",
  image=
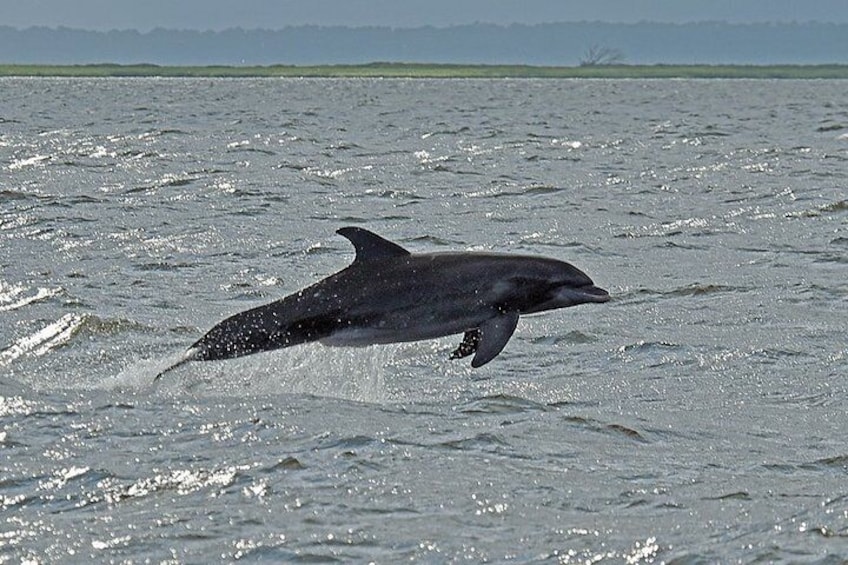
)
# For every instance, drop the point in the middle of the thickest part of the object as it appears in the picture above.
(422, 70)
(554, 44)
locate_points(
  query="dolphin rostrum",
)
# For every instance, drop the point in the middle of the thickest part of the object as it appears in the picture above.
(389, 295)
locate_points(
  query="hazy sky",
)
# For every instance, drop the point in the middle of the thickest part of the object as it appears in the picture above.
(275, 14)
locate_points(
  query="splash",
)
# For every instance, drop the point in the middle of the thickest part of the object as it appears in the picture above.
(357, 374)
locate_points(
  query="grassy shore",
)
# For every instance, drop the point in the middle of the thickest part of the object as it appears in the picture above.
(415, 70)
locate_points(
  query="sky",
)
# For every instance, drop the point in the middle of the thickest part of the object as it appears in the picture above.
(103, 15)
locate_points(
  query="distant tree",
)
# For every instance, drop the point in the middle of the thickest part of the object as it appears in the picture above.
(597, 55)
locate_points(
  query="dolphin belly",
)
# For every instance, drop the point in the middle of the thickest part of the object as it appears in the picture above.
(379, 333)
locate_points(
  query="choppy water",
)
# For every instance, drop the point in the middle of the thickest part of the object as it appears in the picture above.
(698, 417)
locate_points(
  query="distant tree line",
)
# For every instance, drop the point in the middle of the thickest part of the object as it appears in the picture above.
(589, 43)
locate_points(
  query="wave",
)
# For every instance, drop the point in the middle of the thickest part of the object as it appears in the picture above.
(501, 404)
(688, 291)
(44, 340)
(12, 296)
(99, 487)
(572, 337)
(11, 194)
(687, 226)
(33, 161)
(179, 481)
(61, 332)
(702, 289)
(168, 180)
(828, 209)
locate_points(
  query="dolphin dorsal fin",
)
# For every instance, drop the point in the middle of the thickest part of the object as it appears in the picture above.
(370, 246)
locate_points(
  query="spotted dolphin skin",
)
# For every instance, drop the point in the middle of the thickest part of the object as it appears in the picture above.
(389, 295)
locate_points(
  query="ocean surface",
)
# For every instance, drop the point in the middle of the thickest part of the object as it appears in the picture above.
(700, 416)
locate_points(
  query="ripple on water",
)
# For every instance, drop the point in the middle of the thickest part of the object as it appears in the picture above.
(722, 350)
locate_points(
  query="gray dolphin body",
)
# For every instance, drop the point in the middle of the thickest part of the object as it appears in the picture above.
(389, 295)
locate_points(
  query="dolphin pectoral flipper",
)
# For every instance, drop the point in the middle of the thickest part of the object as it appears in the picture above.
(494, 333)
(469, 344)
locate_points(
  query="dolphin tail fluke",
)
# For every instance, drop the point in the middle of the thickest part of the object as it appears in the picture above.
(189, 355)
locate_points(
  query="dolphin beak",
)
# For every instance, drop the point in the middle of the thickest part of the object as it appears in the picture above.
(573, 295)
(593, 293)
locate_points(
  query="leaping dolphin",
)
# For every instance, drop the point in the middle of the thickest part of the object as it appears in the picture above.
(389, 295)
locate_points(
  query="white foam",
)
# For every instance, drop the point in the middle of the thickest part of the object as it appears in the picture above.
(142, 373)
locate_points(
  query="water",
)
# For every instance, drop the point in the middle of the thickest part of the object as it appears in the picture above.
(697, 417)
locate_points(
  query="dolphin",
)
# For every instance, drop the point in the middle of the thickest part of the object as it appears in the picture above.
(389, 295)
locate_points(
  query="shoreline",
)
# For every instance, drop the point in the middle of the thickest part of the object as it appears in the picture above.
(427, 70)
